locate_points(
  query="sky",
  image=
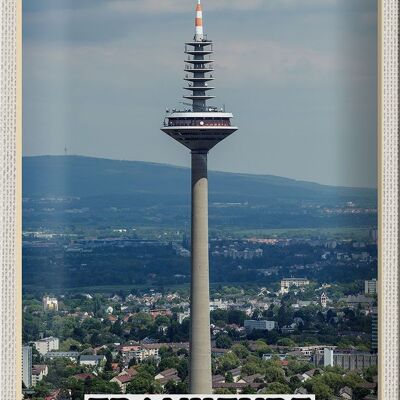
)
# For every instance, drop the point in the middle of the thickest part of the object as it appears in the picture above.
(298, 75)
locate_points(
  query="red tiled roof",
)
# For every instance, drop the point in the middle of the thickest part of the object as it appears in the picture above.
(83, 376)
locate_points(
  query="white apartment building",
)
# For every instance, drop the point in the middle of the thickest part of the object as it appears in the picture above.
(287, 283)
(50, 303)
(263, 325)
(371, 287)
(43, 346)
(27, 366)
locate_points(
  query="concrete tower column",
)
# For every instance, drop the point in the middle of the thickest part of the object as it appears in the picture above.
(200, 346)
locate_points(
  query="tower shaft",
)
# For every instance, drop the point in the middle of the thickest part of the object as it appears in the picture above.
(200, 346)
(199, 129)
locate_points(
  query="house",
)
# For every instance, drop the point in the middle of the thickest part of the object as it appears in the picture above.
(84, 377)
(218, 379)
(289, 328)
(115, 367)
(53, 395)
(219, 352)
(160, 312)
(173, 378)
(112, 318)
(122, 380)
(92, 360)
(251, 378)
(309, 374)
(236, 373)
(301, 390)
(170, 374)
(346, 393)
(38, 372)
(166, 373)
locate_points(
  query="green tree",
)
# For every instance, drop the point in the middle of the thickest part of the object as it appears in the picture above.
(225, 391)
(249, 390)
(228, 361)
(228, 377)
(277, 388)
(240, 350)
(274, 373)
(286, 342)
(223, 342)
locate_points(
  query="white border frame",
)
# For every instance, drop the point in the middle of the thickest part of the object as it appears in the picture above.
(388, 165)
(10, 200)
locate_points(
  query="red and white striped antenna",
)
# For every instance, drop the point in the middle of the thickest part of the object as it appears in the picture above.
(199, 22)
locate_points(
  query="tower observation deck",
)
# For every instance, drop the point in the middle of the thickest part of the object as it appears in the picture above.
(199, 127)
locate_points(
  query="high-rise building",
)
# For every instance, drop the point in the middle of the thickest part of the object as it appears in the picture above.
(371, 287)
(199, 127)
(374, 329)
(27, 366)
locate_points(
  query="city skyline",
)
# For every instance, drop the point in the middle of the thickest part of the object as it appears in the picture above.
(304, 95)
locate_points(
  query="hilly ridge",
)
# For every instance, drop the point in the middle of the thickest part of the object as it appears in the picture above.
(85, 177)
(64, 192)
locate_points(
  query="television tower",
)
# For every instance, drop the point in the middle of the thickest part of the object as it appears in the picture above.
(199, 127)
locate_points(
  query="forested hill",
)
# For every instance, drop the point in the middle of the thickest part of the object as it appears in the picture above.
(77, 176)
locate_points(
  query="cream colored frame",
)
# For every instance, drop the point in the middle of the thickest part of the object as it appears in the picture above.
(10, 200)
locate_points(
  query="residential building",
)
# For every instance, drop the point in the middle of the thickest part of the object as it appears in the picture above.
(346, 393)
(359, 300)
(371, 287)
(160, 312)
(311, 350)
(38, 373)
(43, 346)
(27, 366)
(123, 380)
(72, 355)
(374, 329)
(263, 325)
(137, 352)
(166, 373)
(236, 373)
(50, 303)
(323, 300)
(348, 360)
(287, 283)
(270, 356)
(84, 376)
(92, 360)
(182, 316)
